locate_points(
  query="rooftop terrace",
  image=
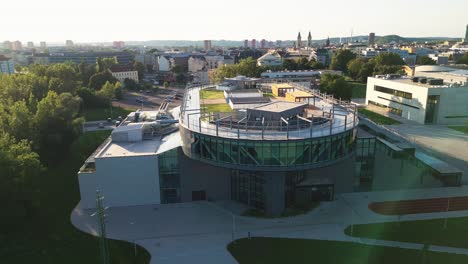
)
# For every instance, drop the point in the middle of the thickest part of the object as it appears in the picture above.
(336, 117)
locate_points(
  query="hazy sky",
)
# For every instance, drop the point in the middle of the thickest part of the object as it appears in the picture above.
(105, 20)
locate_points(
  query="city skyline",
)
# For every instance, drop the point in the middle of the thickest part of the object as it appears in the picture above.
(104, 22)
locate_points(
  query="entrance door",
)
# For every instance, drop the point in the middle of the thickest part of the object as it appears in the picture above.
(431, 109)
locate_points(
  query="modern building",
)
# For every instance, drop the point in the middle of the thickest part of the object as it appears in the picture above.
(118, 44)
(17, 46)
(439, 99)
(122, 72)
(262, 43)
(30, 44)
(246, 43)
(78, 57)
(207, 45)
(69, 43)
(270, 59)
(269, 157)
(253, 44)
(7, 45)
(43, 45)
(371, 39)
(7, 66)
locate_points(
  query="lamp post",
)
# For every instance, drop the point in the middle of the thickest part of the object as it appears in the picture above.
(101, 210)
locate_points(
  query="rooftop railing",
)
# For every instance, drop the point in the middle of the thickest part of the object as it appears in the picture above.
(336, 116)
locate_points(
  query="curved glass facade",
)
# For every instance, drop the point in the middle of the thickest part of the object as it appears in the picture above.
(284, 154)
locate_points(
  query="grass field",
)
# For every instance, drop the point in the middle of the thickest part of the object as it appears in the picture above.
(211, 94)
(359, 89)
(421, 231)
(261, 250)
(96, 114)
(378, 118)
(48, 236)
(463, 129)
(217, 108)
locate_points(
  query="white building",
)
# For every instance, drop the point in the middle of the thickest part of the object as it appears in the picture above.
(124, 72)
(422, 99)
(164, 63)
(270, 59)
(7, 66)
(197, 63)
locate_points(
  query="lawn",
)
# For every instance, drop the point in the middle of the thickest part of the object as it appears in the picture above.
(463, 129)
(359, 89)
(260, 250)
(48, 236)
(211, 94)
(378, 118)
(421, 231)
(217, 108)
(102, 113)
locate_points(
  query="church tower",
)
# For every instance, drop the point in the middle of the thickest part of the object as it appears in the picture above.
(309, 40)
(328, 42)
(299, 41)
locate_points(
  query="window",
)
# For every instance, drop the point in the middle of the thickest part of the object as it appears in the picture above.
(393, 92)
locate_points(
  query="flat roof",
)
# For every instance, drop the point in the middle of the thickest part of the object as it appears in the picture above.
(282, 85)
(278, 106)
(244, 91)
(249, 100)
(153, 146)
(406, 80)
(299, 93)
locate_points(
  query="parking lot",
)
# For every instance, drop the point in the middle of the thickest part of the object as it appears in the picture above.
(151, 100)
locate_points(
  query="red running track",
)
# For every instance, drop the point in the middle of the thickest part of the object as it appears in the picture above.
(420, 206)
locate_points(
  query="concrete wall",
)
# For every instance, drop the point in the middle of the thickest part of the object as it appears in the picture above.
(419, 98)
(453, 103)
(123, 181)
(198, 176)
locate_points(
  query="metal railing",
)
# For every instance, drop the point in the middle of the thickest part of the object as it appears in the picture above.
(338, 116)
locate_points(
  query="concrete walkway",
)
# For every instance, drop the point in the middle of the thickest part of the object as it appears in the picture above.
(199, 232)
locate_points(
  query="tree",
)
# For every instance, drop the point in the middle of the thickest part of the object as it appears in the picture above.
(341, 59)
(336, 85)
(140, 68)
(131, 84)
(166, 84)
(425, 60)
(103, 64)
(99, 79)
(246, 67)
(463, 59)
(317, 65)
(19, 166)
(354, 67)
(388, 59)
(89, 98)
(57, 124)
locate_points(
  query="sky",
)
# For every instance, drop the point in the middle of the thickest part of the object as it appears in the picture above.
(105, 20)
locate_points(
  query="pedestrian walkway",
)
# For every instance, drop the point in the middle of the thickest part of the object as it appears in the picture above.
(199, 232)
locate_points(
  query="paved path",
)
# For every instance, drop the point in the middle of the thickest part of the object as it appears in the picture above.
(199, 232)
(438, 140)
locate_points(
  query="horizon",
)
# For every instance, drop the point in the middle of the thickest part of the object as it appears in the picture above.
(49, 21)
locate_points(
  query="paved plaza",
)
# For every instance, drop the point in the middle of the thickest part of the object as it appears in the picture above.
(199, 232)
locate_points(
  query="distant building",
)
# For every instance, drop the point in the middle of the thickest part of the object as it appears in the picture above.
(30, 44)
(279, 43)
(327, 43)
(263, 44)
(299, 41)
(371, 40)
(207, 45)
(321, 55)
(7, 45)
(43, 45)
(270, 59)
(69, 43)
(197, 63)
(122, 72)
(427, 100)
(16, 45)
(309, 40)
(7, 66)
(254, 44)
(118, 44)
(439, 59)
(246, 43)
(78, 57)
